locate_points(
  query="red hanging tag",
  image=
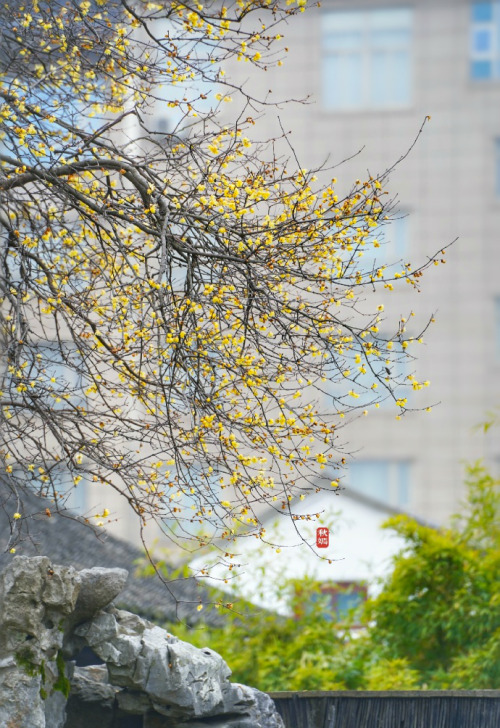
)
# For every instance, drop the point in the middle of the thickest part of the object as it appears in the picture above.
(322, 537)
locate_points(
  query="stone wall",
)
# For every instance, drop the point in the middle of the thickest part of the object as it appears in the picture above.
(147, 678)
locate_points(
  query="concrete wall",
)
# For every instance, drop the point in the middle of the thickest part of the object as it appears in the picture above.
(448, 186)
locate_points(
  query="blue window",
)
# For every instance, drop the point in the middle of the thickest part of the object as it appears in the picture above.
(387, 481)
(367, 58)
(74, 497)
(398, 237)
(55, 481)
(60, 380)
(335, 601)
(392, 243)
(192, 502)
(485, 40)
(56, 374)
(168, 113)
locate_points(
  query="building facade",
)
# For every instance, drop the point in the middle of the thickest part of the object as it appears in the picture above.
(370, 73)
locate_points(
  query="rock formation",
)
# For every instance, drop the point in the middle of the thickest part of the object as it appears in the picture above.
(73, 542)
(147, 677)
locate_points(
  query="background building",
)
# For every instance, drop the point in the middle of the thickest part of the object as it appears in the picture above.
(371, 72)
(355, 556)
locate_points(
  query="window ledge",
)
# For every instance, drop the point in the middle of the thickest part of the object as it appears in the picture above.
(382, 111)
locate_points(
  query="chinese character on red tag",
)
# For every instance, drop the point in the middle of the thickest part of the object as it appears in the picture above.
(322, 538)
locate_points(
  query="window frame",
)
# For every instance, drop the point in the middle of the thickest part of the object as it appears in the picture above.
(394, 238)
(399, 492)
(490, 56)
(332, 590)
(72, 377)
(182, 519)
(47, 479)
(366, 50)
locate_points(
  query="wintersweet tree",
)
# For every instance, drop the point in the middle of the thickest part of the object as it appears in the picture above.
(175, 299)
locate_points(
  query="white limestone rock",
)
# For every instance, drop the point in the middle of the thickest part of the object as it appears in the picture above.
(147, 671)
(36, 597)
(98, 588)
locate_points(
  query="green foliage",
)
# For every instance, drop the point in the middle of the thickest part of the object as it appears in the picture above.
(391, 674)
(62, 684)
(440, 608)
(434, 624)
(25, 659)
(272, 651)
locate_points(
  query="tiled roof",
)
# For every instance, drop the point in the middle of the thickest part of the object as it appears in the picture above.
(68, 541)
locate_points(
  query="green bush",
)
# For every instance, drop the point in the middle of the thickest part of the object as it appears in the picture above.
(434, 624)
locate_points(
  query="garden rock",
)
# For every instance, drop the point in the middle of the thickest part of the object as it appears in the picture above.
(49, 613)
